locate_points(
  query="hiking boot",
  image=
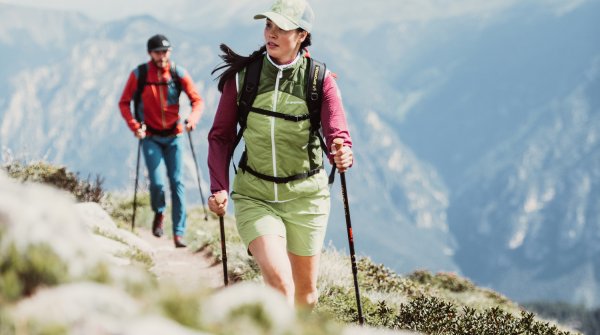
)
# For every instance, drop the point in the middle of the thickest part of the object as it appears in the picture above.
(157, 225)
(178, 242)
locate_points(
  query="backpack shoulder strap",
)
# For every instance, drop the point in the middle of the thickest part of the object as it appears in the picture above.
(247, 96)
(249, 90)
(314, 95)
(142, 71)
(314, 91)
(314, 98)
(175, 77)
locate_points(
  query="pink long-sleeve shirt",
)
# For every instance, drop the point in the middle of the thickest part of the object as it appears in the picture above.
(223, 133)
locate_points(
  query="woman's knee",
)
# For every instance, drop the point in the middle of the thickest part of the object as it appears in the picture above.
(280, 282)
(270, 254)
(277, 274)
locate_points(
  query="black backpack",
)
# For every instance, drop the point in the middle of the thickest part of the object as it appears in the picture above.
(141, 84)
(314, 97)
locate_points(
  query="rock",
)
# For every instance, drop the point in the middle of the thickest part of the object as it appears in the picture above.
(264, 309)
(42, 232)
(158, 326)
(82, 308)
(96, 218)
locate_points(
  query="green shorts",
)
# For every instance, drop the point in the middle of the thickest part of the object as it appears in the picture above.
(302, 221)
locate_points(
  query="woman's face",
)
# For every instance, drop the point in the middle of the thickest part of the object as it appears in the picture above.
(282, 45)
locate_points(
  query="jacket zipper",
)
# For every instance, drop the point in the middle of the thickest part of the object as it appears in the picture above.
(273, 148)
(161, 99)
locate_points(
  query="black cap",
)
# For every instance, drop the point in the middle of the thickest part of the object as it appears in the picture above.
(158, 43)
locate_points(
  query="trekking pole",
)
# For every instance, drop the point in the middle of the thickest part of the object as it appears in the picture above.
(197, 175)
(338, 142)
(137, 171)
(220, 198)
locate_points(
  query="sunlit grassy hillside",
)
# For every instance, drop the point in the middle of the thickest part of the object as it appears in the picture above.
(61, 263)
(441, 303)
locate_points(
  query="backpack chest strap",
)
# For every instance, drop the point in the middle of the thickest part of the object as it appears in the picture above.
(287, 117)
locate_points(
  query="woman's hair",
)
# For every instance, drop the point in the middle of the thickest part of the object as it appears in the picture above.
(234, 62)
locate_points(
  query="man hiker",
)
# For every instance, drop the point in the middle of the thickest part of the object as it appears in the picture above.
(154, 88)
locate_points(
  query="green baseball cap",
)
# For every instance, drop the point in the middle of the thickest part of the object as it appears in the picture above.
(290, 14)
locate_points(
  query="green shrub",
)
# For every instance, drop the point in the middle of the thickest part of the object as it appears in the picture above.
(59, 177)
(377, 277)
(443, 280)
(49, 329)
(340, 303)
(6, 324)
(431, 315)
(120, 209)
(183, 308)
(423, 312)
(21, 273)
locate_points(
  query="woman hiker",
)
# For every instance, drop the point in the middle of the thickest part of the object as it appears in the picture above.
(280, 191)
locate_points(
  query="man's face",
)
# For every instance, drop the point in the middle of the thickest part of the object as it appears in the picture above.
(161, 57)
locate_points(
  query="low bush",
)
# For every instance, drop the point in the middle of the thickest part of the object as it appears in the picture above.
(59, 177)
(424, 309)
(21, 276)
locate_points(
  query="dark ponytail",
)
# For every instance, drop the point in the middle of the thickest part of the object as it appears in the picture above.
(307, 41)
(234, 62)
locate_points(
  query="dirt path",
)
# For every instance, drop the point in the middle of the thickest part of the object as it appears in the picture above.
(183, 266)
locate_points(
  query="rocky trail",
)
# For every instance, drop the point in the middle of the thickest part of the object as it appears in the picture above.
(185, 267)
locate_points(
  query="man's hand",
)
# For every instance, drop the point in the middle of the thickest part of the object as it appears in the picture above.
(217, 202)
(189, 126)
(141, 132)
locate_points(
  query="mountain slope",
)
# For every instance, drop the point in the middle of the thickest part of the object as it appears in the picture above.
(542, 224)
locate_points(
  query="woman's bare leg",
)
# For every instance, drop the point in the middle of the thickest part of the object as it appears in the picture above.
(305, 271)
(270, 252)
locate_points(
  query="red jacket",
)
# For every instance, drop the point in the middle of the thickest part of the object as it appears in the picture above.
(160, 103)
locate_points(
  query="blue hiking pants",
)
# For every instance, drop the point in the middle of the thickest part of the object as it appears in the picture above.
(168, 152)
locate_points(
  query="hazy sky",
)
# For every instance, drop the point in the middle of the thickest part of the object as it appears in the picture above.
(100, 10)
(115, 9)
(330, 13)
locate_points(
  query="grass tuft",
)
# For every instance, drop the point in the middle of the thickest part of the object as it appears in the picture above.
(59, 177)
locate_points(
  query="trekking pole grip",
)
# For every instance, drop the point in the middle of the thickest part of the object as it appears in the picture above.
(220, 197)
(339, 143)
